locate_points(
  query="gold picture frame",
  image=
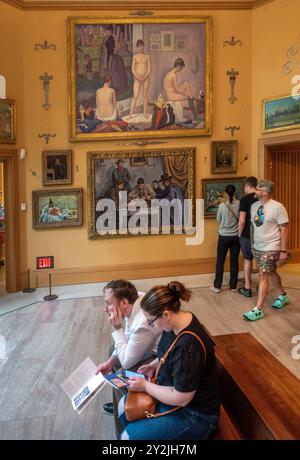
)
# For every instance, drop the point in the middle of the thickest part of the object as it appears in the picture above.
(104, 176)
(57, 208)
(281, 114)
(99, 57)
(224, 157)
(7, 121)
(213, 193)
(57, 167)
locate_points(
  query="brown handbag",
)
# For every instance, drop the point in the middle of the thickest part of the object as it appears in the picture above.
(139, 404)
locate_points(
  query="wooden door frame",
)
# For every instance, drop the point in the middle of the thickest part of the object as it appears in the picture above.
(264, 151)
(264, 158)
(9, 157)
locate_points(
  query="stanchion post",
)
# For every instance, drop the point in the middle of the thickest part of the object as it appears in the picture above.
(50, 296)
(28, 290)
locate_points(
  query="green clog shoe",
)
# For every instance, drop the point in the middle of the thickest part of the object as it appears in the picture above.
(254, 314)
(281, 301)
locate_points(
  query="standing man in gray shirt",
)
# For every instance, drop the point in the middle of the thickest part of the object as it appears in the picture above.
(227, 217)
(270, 240)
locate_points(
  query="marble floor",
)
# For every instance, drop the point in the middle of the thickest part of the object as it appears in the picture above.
(46, 341)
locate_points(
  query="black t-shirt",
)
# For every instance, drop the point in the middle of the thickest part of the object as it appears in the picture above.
(187, 370)
(245, 206)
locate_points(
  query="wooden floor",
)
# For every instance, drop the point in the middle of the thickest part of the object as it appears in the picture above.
(47, 341)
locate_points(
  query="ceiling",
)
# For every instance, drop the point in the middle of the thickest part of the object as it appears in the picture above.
(114, 5)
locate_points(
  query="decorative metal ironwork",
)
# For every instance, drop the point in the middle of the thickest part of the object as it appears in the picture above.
(46, 83)
(141, 13)
(232, 42)
(47, 136)
(246, 156)
(232, 73)
(44, 46)
(232, 129)
(33, 173)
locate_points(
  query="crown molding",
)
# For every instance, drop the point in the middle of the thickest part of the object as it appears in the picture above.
(118, 5)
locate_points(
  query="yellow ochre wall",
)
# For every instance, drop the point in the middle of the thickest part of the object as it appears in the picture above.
(275, 29)
(256, 61)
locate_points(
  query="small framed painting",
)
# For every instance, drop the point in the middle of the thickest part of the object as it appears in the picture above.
(223, 157)
(7, 121)
(57, 167)
(57, 208)
(213, 193)
(281, 114)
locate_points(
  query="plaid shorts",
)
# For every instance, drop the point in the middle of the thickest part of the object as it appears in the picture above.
(266, 260)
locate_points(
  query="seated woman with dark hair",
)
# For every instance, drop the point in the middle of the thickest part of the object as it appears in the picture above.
(187, 380)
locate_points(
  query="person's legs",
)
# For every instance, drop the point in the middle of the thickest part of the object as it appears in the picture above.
(247, 272)
(136, 91)
(145, 95)
(262, 288)
(276, 281)
(221, 256)
(184, 424)
(234, 262)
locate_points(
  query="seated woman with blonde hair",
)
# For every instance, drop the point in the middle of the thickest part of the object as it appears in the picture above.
(187, 379)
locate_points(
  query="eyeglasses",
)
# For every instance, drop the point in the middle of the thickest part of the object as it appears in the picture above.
(151, 321)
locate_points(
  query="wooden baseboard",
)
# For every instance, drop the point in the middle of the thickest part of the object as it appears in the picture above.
(80, 275)
(86, 275)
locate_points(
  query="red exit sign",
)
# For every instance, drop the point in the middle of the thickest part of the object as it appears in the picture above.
(45, 262)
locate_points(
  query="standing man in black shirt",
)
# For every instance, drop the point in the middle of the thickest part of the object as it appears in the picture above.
(244, 231)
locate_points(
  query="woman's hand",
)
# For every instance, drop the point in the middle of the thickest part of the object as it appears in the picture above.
(137, 384)
(148, 370)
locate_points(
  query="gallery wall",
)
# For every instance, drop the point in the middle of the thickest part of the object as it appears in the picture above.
(261, 52)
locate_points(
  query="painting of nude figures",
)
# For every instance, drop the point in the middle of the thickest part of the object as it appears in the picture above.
(139, 78)
(126, 189)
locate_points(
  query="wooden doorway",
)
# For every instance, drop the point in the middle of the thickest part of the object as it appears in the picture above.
(9, 158)
(282, 166)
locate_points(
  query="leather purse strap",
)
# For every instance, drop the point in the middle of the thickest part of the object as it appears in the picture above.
(232, 211)
(162, 362)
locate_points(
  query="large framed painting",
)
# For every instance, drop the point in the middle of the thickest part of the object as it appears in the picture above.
(7, 121)
(57, 167)
(223, 157)
(213, 193)
(281, 114)
(141, 192)
(135, 78)
(57, 208)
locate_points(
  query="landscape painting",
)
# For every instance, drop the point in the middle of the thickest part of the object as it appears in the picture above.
(281, 114)
(138, 78)
(57, 208)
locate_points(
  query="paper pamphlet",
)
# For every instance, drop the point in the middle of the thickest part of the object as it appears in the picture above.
(82, 385)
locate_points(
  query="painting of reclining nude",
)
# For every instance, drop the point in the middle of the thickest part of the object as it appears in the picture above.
(140, 193)
(139, 78)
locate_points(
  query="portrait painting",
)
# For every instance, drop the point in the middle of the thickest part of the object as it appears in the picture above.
(139, 193)
(57, 167)
(7, 121)
(139, 78)
(213, 193)
(223, 157)
(281, 114)
(57, 208)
